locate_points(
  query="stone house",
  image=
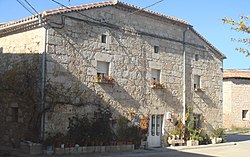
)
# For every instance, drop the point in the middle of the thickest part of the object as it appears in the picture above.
(236, 96)
(112, 55)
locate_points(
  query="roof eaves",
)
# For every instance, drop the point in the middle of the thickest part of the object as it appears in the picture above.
(236, 74)
(223, 56)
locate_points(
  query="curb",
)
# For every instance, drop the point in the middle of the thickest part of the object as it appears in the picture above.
(202, 146)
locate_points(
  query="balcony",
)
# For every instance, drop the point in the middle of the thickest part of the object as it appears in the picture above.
(104, 79)
(156, 84)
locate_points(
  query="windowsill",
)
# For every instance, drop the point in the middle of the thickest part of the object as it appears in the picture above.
(157, 86)
(104, 81)
(197, 90)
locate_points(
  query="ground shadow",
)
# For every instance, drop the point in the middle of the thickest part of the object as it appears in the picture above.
(237, 137)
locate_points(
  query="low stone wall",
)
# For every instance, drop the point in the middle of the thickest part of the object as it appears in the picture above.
(93, 149)
(31, 148)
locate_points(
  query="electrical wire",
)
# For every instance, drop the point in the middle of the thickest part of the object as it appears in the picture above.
(25, 7)
(31, 6)
(145, 7)
(76, 11)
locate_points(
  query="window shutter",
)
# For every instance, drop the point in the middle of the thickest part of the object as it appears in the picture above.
(103, 67)
(155, 74)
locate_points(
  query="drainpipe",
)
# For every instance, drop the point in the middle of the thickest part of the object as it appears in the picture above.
(184, 75)
(43, 85)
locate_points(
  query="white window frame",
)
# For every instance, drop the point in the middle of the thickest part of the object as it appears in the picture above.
(103, 68)
(197, 82)
(156, 74)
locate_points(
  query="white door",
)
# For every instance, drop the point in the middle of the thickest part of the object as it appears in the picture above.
(155, 131)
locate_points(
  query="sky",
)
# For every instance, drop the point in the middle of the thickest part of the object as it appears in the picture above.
(204, 15)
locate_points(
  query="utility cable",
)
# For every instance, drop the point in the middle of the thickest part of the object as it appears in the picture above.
(26, 8)
(145, 7)
(31, 6)
(76, 11)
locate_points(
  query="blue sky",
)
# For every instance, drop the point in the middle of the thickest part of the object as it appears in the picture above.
(204, 15)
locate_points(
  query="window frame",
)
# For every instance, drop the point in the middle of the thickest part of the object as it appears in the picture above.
(245, 115)
(196, 57)
(107, 69)
(197, 82)
(156, 49)
(104, 38)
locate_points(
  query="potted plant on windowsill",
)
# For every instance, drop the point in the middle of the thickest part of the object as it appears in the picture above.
(106, 79)
(156, 84)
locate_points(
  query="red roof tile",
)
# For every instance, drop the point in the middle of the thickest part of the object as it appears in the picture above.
(236, 74)
(90, 6)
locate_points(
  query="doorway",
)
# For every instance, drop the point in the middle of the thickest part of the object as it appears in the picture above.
(155, 130)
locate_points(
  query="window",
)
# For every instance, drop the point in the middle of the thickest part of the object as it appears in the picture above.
(14, 114)
(102, 68)
(196, 82)
(196, 57)
(156, 49)
(155, 74)
(155, 79)
(244, 114)
(103, 75)
(104, 38)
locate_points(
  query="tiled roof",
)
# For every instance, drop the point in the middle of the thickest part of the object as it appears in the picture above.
(236, 74)
(90, 6)
(34, 20)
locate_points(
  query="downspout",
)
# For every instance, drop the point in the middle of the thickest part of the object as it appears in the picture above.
(184, 75)
(43, 85)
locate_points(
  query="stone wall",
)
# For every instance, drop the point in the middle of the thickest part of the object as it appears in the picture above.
(20, 72)
(236, 96)
(75, 47)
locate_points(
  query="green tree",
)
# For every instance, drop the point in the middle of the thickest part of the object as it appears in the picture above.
(241, 25)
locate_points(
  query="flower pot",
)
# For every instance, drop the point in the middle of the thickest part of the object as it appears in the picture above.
(192, 143)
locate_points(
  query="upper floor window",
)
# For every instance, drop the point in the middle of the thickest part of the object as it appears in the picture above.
(155, 74)
(104, 38)
(103, 75)
(196, 57)
(197, 80)
(102, 68)
(155, 78)
(156, 49)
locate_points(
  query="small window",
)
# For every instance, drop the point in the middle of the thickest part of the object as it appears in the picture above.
(197, 82)
(155, 74)
(196, 57)
(156, 49)
(104, 38)
(102, 68)
(244, 114)
(14, 114)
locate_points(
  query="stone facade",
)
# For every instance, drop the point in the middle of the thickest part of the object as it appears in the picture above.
(236, 104)
(20, 73)
(135, 46)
